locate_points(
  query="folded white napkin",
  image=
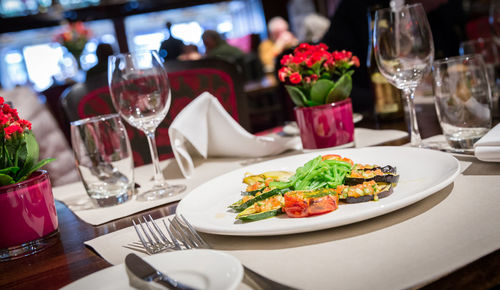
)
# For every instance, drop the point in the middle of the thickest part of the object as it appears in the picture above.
(488, 147)
(211, 131)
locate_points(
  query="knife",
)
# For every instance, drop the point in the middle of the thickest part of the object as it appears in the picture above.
(146, 272)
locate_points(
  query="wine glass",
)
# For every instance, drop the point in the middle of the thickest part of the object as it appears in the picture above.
(404, 51)
(140, 92)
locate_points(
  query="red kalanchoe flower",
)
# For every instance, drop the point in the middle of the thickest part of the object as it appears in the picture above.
(10, 130)
(282, 73)
(285, 59)
(295, 78)
(311, 67)
(355, 61)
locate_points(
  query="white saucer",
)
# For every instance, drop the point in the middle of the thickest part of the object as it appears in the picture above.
(201, 269)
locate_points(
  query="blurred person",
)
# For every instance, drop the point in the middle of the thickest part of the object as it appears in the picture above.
(349, 31)
(103, 51)
(170, 48)
(280, 38)
(190, 52)
(219, 48)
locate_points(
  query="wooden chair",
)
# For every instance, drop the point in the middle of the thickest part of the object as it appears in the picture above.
(188, 79)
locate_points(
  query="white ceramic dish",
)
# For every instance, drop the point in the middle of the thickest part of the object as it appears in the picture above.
(201, 269)
(422, 173)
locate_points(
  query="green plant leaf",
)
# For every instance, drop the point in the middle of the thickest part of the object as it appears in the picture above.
(9, 170)
(35, 168)
(32, 149)
(320, 90)
(341, 90)
(6, 179)
(296, 95)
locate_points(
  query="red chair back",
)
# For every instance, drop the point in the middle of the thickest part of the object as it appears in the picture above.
(187, 80)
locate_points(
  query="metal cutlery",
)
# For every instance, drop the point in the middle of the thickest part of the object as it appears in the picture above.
(148, 273)
(182, 236)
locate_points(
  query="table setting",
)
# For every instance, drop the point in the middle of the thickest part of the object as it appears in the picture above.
(329, 201)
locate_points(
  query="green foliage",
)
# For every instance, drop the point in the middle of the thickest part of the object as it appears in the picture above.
(19, 158)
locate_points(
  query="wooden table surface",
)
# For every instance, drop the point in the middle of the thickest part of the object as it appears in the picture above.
(69, 259)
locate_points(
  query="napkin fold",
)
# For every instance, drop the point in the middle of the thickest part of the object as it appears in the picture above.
(488, 147)
(205, 126)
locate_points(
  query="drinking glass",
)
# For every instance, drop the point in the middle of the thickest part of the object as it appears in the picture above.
(489, 50)
(103, 159)
(404, 51)
(140, 92)
(463, 99)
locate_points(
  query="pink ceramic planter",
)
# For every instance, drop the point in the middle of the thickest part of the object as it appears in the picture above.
(28, 217)
(325, 126)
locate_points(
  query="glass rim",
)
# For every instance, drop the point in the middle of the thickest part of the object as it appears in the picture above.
(458, 58)
(133, 53)
(95, 119)
(390, 9)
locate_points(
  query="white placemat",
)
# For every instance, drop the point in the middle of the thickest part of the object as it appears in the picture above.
(403, 249)
(75, 197)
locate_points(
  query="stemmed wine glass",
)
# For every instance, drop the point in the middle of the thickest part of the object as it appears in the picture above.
(140, 92)
(404, 51)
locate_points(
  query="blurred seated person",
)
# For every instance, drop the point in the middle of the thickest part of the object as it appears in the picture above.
(171, 48)
(349, 31)
(219, 48)
(280, 38)
(190, 52)
(102, 52)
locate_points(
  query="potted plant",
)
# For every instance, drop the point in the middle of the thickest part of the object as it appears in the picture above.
(74, 38)
(27, 209)
(320, 84)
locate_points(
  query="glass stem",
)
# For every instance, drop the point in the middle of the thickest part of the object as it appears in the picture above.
(158, 178)
(415, 139)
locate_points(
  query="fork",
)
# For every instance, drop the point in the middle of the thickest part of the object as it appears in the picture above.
(183, 236)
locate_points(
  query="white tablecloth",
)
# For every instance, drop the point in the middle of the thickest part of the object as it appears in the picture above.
(403, 249)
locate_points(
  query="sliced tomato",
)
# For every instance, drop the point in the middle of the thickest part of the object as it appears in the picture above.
(324, 204)
(337, 157)
(295, 205)
(298, 205)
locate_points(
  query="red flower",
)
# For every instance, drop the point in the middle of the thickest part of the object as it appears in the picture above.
(282, 73)
(355, 61)
(298, 59)
(11, 130)
(25, 124)
(285, 59)
(295, 78)
(303, 47)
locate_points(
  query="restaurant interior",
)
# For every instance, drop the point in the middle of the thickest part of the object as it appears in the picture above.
(232, 109)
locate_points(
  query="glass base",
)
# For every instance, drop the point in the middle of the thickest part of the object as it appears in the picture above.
(159, 192)
(29, 248)
(111, 200)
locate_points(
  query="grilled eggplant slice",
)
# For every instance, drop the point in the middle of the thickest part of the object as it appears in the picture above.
(366, 191)
(363, 173)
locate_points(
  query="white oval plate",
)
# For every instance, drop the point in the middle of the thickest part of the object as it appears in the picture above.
(422, 173)
(201, 269)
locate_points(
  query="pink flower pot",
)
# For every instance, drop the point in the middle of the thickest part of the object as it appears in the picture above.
(325, 126)
(28, 217)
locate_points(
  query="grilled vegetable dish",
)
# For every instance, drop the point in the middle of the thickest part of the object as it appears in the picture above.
(315, 188)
